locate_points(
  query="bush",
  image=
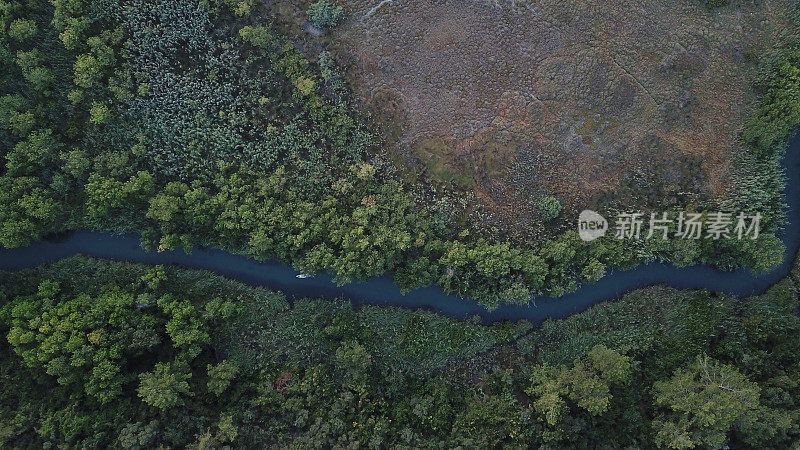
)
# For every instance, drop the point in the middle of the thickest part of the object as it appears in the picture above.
(549, 206)
(711, 4)
(325, 14)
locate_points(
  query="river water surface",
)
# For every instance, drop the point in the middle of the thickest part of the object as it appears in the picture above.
(382, 291)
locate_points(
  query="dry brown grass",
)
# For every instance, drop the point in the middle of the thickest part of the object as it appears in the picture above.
(604, 103)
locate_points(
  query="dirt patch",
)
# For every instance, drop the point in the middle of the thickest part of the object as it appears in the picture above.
(616, 103)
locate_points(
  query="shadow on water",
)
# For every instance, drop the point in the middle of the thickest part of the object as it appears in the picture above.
(382, 291)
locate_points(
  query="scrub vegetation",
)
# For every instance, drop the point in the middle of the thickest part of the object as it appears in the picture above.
(109, 354)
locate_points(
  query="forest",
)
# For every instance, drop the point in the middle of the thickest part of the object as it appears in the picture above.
(200, 124)
(109, 354)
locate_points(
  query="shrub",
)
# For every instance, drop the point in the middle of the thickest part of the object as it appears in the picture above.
(259, 36)
(549, 206)
(324, 14)
(711, 4)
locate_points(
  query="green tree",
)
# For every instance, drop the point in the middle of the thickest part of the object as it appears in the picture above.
(31, 63)
(29, 155)
(105, 194)
(353, 357)
(88, 71)
(154, 276)
(22, 29)
(185, 325)
(99, 113)
(221, 375)
(703, 403)
(81, 341)
(15, 115)
(166, 386)
(259, 36)
(586, 385)
(27, 210)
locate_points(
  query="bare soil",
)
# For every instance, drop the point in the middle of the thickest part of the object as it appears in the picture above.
(606, 104)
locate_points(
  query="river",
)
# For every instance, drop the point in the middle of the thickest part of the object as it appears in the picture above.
(382, 291)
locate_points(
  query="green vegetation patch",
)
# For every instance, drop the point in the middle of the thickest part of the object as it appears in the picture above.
(111, 354)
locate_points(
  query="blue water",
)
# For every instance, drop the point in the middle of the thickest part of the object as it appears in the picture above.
(382, 291)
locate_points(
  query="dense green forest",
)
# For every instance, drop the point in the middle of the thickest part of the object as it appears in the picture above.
(197, 123)
(98, 354)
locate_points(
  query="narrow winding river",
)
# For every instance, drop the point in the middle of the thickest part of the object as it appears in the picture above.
(382, 291)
